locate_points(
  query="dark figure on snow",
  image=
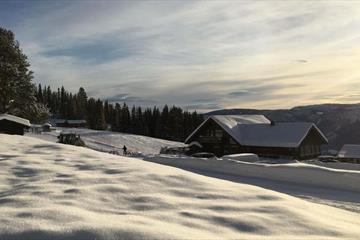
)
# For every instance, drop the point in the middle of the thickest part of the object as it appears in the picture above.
(125, 150)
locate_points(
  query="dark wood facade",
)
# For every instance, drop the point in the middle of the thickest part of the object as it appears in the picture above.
(216, 140)
(71, 123)
(10, 127)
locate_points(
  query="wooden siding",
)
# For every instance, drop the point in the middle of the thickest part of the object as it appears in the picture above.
(10, 127)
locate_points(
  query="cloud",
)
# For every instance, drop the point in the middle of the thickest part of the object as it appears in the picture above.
(205, 54)
(301, 60)
(99, 52)
(240, 93)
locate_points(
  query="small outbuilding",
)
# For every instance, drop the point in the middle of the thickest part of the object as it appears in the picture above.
(233, 134)
(46, 127)
(78, 123)
(11, 124)
(58, 122)
(349, 153)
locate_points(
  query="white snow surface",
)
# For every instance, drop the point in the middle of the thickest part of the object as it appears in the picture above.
(107, 141)
(248, 157)
(57, 191)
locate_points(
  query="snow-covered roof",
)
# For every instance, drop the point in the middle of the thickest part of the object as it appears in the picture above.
(350, 151)
(289, 134)
(257, 130)
(76, 121)
(16, 119)
(58, 121)
(229, 122)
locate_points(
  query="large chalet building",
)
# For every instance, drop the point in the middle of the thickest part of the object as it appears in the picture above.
(230, 134)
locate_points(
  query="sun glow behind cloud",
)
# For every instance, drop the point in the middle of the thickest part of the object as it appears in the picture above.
(200, 55)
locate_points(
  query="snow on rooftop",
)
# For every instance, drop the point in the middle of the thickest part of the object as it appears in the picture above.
(257, 130)
(58, 120)
(16, 119)
(277, 135)
(76, 121)
(350, 151)
(229, 122)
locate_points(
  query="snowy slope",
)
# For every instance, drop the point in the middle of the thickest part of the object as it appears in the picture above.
(109, 141)
(55, 191)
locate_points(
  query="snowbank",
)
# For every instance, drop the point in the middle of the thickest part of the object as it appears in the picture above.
(336, 165)
(247, 157)
(300, 173)
(55, 191)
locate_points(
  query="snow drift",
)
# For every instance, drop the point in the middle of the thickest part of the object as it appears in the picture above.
(55, 191)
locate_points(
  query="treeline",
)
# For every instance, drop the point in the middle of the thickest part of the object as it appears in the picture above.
(170, 123)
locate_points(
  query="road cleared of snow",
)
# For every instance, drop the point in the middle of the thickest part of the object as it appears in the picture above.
(56, 191)
(298, 173)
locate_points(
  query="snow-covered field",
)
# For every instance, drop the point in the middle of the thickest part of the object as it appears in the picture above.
(56, 191)
(107, 141)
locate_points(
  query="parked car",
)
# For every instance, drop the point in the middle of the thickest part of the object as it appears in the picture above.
(71, 139)
(327, 158)
(203, 155)
(173, 150)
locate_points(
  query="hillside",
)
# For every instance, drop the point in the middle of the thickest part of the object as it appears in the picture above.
(339, 122)
(112, 141)
(55, 191)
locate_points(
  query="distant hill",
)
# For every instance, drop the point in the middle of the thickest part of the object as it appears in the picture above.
(339, 122)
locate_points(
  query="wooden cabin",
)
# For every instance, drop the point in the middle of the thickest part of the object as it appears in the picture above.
(11, 124)
(39, 128)
(349, 153)
(231, 134)
(76, 123)
(69, 123)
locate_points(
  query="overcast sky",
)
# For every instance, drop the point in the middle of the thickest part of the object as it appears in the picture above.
(201, 55)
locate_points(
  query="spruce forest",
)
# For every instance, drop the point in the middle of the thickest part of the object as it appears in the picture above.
(172, 123)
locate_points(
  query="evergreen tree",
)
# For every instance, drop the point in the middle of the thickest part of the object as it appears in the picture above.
(63, 103)
(125, 119)
(91, 113)
(17, 91)
(100, 116)
(106, 111)
(39, 94)
(117, 119)
(81, 103)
